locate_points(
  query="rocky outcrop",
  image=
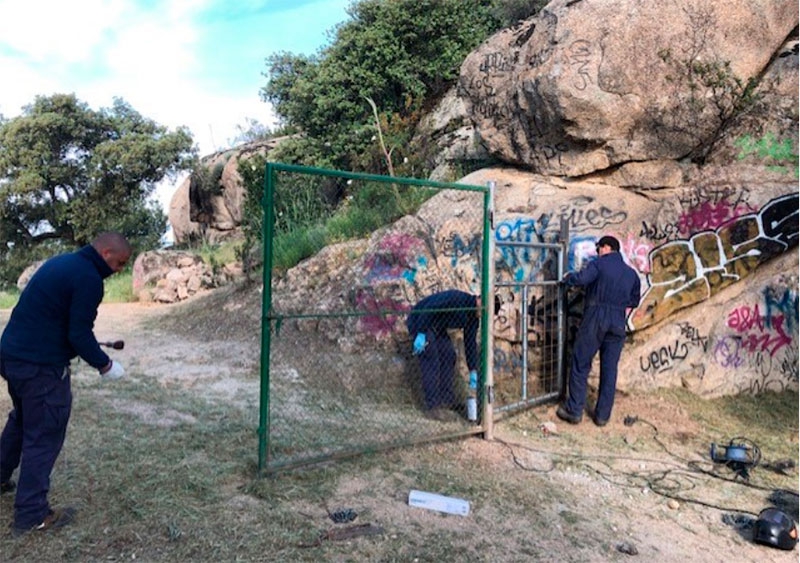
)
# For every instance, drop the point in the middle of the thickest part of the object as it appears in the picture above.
(585, 86)
(716, 253)
(603, 139)
(672, 126)
(213, 213)
(449, 139)
(169, 276)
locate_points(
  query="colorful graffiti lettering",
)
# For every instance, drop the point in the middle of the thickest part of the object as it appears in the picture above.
(384, 312)
(581, 250)
(726, 352)
(507, 363)
(520, 262)
(635, 253)
(709, 215)
(685, 272)
(781, 301)
(394, 257)
(457, 249)
(757, 332)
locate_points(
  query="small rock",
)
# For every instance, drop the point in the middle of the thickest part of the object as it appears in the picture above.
(673, 504)
(627, 547)
(548, 428)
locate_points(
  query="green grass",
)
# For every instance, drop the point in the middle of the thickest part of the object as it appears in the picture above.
(222, 253)
(119, 288)
(162, 474)
(8, 298)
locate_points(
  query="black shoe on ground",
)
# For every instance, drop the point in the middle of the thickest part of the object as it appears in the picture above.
(57, 518)
(598, 421)
(563, 414)
(8, 487)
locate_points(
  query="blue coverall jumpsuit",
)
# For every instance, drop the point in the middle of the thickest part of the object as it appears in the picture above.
(437, 362)
(611, 287)
(51, 324)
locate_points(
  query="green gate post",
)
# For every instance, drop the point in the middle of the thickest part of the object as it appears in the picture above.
(487, 298)
(267, 235)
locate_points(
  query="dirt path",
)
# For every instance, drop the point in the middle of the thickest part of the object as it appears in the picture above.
(212, 367)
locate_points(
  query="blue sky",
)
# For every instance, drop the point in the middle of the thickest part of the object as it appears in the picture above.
(197, 63)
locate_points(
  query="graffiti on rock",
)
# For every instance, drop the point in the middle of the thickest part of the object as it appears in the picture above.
(687, 271)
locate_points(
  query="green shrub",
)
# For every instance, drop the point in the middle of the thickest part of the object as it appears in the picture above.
(9, 298)
(119, 288)
(292, 247)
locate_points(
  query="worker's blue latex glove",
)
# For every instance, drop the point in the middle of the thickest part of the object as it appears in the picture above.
(419, 343)
(473, 379)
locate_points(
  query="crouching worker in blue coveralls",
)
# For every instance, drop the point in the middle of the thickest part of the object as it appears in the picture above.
(612, 287)
(52, 323)
(427, 324)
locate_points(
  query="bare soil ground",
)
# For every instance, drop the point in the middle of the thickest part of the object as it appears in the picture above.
(623, 492)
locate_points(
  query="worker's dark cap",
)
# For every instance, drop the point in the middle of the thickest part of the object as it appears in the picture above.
(608, 241)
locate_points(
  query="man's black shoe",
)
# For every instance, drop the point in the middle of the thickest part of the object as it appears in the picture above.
(598, 421)
(8, 486)
(562, 413)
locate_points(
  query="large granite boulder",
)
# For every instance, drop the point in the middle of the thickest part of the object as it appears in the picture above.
(214, 213)
(584, 86)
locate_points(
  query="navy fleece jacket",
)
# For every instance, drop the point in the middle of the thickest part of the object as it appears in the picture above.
(54, 319)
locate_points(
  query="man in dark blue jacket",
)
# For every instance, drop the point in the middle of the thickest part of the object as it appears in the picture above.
(612, 287)
(428, 323)
(52, 323)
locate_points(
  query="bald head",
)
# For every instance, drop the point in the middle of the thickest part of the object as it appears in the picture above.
(114, 248)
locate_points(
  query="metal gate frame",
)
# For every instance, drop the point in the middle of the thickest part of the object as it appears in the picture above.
(484, 425)
(561, 249)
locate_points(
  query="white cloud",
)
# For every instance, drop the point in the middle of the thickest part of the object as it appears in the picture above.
(45, 31)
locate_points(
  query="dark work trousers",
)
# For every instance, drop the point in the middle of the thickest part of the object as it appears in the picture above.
(437, 364)
(601, 329)
(34, 434)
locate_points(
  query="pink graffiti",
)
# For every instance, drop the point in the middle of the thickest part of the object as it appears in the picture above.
(637, 254)
(394, 256)
(398, 243)
(710, 215)
(382, 322)
(758, 333)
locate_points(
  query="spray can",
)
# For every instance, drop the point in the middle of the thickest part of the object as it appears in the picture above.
(472, 398)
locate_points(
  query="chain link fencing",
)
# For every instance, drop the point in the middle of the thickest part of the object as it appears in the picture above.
(339, 372)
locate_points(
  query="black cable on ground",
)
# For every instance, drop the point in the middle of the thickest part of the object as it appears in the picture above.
(695, 464)
(666, 483)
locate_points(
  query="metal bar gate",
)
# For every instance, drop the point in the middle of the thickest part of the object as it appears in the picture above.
(529, 328)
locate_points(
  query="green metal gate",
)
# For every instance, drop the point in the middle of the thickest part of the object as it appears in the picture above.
(327, 391)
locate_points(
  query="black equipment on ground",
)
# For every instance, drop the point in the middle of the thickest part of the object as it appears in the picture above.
(776, 529)
(741, 455)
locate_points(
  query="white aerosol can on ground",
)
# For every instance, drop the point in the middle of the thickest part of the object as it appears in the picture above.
(472, 398)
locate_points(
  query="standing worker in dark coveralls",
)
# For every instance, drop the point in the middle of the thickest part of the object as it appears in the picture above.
(611, 288)
(52, 323)
(428, 323)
